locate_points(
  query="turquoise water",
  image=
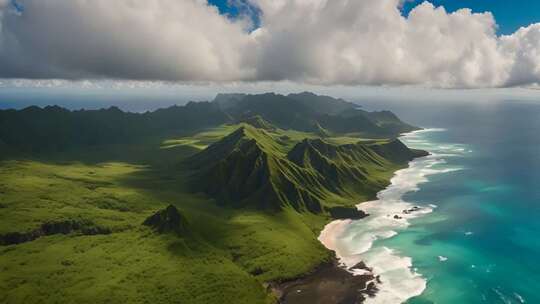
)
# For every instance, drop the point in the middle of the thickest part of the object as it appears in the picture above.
(481, 241)
(486, 224)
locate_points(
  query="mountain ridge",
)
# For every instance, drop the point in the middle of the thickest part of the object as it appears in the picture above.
(54, 129)
(248, 168)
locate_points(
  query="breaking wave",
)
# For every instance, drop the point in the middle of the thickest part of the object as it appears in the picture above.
(353, 241)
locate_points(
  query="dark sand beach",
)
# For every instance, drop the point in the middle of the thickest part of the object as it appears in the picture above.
(328, 283)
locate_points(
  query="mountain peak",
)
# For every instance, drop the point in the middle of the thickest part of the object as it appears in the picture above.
(258, 122)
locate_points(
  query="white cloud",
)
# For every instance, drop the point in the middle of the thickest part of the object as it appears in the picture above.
(329, 42)
(523, 47)
(163, 39)
(369, 42)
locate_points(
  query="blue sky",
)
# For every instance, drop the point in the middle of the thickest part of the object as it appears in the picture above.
(509, 14)
(239, 7)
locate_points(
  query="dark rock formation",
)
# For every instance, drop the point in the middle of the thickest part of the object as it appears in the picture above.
(411, 210)
(83, 227)
(168, 220)
(328, 283)
(341, 213)
(361, 266)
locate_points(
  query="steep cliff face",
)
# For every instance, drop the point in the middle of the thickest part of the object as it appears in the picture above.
(397, 152)
(246, 169)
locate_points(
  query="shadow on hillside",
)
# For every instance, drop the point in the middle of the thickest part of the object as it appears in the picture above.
(144, 154)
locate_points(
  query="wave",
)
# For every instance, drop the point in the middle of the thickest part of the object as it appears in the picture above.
(353, 241)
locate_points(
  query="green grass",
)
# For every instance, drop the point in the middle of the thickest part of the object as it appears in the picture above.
(227, 257)
(134, 264)
(129, 267)
(288, 138)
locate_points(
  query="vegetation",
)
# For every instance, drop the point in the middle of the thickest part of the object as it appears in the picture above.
(53, 129)
(186, 211)
(249, 168)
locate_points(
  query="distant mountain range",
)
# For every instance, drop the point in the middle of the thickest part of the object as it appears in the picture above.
(309, 112)
(53, 128)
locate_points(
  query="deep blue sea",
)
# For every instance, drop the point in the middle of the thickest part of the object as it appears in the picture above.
(476, 238)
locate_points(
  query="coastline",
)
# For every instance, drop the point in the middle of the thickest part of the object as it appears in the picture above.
(343, 280)
(329, 282)
(333, 281)
(353, 241)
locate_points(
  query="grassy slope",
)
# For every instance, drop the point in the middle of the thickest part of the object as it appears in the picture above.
(119, 187)
(250, 168)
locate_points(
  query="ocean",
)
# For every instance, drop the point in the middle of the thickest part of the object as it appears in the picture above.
(474, 236)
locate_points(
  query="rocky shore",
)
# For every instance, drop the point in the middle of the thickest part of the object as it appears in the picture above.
(332, 282)
(328, 283)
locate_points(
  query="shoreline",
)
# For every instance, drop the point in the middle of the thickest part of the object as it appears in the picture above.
(353, 241)
(332, 281)
(347, 265)
(329, 282)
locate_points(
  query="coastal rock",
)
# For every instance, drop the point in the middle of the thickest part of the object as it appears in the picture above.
(411, 210)
(397, 217)
(167, 220)
(361, 266)
(371, 289)
(329, 283)
(342, 213)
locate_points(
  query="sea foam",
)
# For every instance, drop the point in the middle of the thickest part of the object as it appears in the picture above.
(353, 241)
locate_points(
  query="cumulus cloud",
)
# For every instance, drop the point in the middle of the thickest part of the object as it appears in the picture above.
(162, 39)
(369, 42)
(308, 41)
(523, 50)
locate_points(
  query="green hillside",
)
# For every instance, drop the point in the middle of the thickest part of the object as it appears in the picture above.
(53, 129)
(258, 122)
(249, 169)
(35, 130)
(186, 204)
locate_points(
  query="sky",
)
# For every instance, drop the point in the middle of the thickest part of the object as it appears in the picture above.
(510, 14)
(194, 45)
